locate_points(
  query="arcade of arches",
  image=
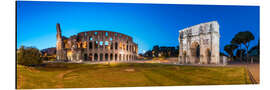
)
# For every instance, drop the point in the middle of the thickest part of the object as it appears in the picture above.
(95, 46)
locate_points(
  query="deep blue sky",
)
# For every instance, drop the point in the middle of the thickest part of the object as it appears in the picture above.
(148, 24)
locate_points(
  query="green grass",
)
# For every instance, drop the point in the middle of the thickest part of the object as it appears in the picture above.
(115, 75)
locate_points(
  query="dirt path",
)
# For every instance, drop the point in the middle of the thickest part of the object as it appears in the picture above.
(255, 71)
(61, 77)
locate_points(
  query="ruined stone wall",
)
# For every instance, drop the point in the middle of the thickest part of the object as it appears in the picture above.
(60, 53)
(199, 44)
(99, 46)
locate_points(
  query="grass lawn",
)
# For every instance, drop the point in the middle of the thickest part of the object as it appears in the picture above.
(125, 75)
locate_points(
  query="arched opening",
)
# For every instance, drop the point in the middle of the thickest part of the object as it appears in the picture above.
(106, 57)
(195, 52)
(111, 56)
(85, 57)
(127, 48)
(95, 57)
(198, 51)
(96, 45)
(90, 45)
(115, 57)
(208, 56)
(116, 45)
(90, 56)
(106, 43)
(127, 58)
(111, 45)
(101, 57)
(101, 45)
(106, 34)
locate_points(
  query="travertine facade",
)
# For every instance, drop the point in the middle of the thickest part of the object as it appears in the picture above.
(95, 46)
(199, 44)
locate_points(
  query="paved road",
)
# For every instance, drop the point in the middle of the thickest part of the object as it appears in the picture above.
(255, 71)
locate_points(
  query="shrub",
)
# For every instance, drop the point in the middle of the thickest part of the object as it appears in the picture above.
(29, 56)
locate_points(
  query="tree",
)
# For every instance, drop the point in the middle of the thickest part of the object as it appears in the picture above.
(148, 53)
(238, 41)
(177, 50)
(246, 37)
(243, 38)
(240, 52)
(155, 50)
(28, 56)
(222, 54)
(230, 49)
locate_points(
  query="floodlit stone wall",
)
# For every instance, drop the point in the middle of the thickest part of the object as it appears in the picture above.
(96, 46)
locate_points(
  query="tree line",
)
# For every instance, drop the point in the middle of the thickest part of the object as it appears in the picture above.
(238, 49)
(29, 56)
(162, 51)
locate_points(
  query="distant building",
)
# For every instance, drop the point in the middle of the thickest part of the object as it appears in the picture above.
(95, 46)
(49, 51)
(199, 44)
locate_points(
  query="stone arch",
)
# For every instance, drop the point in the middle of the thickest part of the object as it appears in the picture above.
(85, 57)
(111, 56)
(195, 52)
(90, 56)
(126, 57)
(208, 37)
(116, 45)
(96, 44)
(95, 57)
(90, 45)
(115, 57)
(106, 57)
(111, 47)
(101, 57)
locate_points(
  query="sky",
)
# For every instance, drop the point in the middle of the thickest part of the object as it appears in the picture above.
(148, 24)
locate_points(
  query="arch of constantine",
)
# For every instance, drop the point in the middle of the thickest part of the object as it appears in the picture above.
(199, 44)
(95, 46)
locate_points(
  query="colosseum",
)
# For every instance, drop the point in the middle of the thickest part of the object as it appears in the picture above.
(95, 46)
